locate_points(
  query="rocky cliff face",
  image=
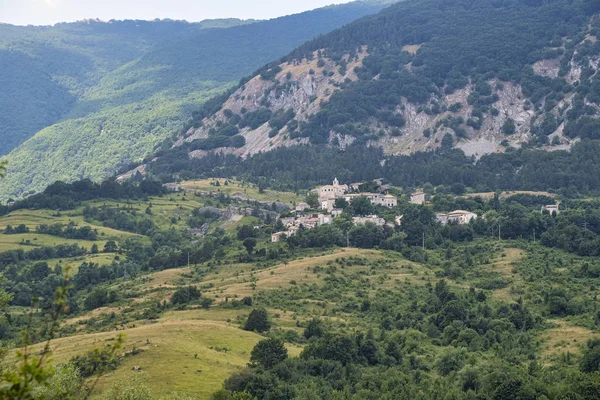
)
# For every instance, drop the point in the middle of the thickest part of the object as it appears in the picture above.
(299, 86)
(304, 86)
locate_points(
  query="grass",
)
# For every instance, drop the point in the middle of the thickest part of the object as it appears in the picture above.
(189, 352)
(504, 265)
(562, 339)
(73, 263)
(246, 190)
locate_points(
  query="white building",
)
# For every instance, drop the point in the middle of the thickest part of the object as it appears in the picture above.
(459, 216)
(552, 209)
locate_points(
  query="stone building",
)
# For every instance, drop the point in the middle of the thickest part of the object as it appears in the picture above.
(373, 219)
(417, 197)
(334, 191)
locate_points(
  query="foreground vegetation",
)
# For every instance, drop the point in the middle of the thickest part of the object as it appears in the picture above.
(215, 316)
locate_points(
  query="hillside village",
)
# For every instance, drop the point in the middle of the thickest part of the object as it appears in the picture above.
(332, 198)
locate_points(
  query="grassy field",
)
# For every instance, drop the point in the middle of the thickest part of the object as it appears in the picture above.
(247, 190)
(191, 352)
(72, 264)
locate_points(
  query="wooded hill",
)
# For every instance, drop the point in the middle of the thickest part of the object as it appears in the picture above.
(490, 74)
(103, 94)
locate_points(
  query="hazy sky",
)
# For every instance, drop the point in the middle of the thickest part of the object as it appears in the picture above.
(47, 12)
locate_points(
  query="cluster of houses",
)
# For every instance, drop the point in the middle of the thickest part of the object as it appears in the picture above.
(330, 193)
(310, 221)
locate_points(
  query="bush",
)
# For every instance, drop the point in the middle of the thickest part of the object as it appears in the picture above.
(268, 353)
(185, 295)
(95, 362)
(258, 321)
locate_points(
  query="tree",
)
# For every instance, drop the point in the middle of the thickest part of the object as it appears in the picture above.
(110, 247)
(249, 244)
(447, 141)
(185, 295)
(362, 206)
(312, 199)
(314, 328)
(591, 359)
(268, 353)
(258, 321)
(94, 249)
(341, 203)
(246, 231)
(509, 127)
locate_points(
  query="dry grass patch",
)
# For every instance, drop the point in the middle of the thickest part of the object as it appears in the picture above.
(245, 282)
(237, 189)
(188, 356)
(563, 339)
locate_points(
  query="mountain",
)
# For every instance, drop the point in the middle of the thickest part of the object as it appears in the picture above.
(484, 77)
(100, 95)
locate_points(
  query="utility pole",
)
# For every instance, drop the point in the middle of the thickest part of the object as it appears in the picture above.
(499, 235)
(533, 235)
(423, 240)
(188, 259)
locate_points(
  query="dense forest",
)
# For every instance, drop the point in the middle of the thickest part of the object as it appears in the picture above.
(301, 167)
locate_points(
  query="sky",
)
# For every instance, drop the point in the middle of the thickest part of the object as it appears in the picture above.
(48, 12)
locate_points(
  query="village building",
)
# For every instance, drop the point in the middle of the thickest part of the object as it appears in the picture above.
(336, 212)
(334, 191)
(328, 194)
(378, 199)
(417, 197)
(460, 217)
(328, 205)
(373, 219)
(553, 209)
(276, 237)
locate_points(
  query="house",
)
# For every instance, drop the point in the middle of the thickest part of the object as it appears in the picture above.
(336, 212)
(378, 199)
(389, 201)
(276, 237)
(460, 217)
(373, 219)
(417, 197)
(553, 209)
(328, 205)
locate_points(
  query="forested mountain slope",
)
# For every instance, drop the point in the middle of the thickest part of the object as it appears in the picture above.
(106, 94)
(485, 75)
